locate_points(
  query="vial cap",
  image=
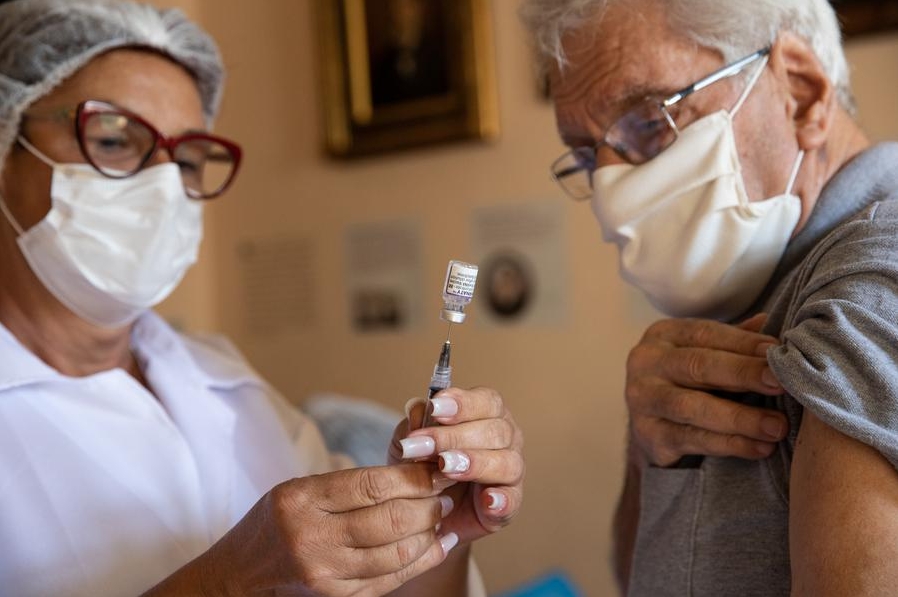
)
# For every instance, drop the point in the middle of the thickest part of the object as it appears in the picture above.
(452, 316)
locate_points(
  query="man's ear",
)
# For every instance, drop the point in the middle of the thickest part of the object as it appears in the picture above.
(811, 96)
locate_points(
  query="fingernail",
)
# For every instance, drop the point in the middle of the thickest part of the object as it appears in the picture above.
(448, 541)
(764, 449)
(773, 427)
(454, 462)
(417, 447)
(762, 349)
(498, 501)
(769, 378)
(412, 402)
(446, 505)
(441, 483)
(443, 406)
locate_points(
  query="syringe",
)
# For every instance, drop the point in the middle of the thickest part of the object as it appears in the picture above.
(440, 380)
(458, 290)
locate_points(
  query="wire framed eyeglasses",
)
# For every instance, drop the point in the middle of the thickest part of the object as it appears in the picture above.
(639, 134)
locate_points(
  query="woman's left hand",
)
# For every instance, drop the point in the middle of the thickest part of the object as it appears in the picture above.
(479, 450)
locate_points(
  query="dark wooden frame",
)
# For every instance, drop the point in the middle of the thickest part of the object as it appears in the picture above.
(355, 125)
(863, 17)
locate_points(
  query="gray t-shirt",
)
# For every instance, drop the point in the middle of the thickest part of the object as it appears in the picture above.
(722, 528)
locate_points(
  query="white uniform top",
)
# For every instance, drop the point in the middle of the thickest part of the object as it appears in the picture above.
(106, 489)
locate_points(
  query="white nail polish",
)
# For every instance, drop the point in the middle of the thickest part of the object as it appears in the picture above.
(446, 505)
(417, 447)
(498, 501)
(448, 541)
(443, 407)
(454, 462)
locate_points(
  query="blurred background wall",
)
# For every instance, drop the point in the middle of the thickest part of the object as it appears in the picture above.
(289, 216)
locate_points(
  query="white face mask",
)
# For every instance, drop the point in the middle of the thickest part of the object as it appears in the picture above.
(688, 236)
(111, 248)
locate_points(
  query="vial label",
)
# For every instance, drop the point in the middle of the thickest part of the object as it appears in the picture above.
(460, 279)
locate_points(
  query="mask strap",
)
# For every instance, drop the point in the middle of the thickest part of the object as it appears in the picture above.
(748, 87)
(9, 218)
(794, 174)
(35, 151)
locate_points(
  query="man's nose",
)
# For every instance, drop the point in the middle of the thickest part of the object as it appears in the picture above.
(605, 156)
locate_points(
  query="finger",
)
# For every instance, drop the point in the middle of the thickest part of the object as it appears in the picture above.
(414, 412)
(718, 415)
(491, 434)
(702, 441)
(700, 368)
(391, 521)
(665, 442)
(346, 490)
(498, 505)
(492, 467)
(435, 552)
(379, 570)
(753, 323)
(455, 405)
(703, 333)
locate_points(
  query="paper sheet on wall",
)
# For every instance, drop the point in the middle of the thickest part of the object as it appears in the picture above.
(278, 284)
(383, 275)
(520, 251)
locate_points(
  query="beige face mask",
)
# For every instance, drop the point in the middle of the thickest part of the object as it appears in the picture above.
(688, 236)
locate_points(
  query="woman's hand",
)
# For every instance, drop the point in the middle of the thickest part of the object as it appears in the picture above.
(477, 445)
(360, 532)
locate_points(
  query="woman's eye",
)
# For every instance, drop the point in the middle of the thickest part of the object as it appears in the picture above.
(111, 145)
(188, 166)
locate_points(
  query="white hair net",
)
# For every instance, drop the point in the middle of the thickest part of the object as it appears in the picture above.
(42, 42)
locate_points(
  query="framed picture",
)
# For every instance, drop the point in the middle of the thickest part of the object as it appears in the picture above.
(404, 73)
(859, 17)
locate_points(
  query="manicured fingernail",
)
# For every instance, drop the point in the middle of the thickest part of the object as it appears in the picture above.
(441, 483)
(498, 501)
(773, 427)
(448, 541)
(446, 505)
(454, 462)
(762, 349)
(417, 447)
(412, 402)
(769, 378)
(444, 406)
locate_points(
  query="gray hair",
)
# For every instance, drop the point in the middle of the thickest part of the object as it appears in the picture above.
(43, 42)
(735, 28)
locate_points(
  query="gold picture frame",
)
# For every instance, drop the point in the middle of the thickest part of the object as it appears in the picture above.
(405, 73)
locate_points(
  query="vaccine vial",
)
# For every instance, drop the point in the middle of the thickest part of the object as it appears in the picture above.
(458, 290)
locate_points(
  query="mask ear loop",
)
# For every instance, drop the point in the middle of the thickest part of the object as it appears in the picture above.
(9, 218)
(794, 174)
(749, 86)
(35, 151)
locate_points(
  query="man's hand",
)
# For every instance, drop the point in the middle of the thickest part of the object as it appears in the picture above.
(669, 374)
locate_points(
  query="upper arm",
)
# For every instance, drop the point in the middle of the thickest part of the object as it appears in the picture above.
(843, 515)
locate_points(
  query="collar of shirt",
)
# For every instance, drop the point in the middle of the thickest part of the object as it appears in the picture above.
(210, 360)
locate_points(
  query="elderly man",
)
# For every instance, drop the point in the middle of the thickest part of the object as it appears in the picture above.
(716, 142)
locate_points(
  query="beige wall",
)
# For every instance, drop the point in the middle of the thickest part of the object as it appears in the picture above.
(563, 383)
